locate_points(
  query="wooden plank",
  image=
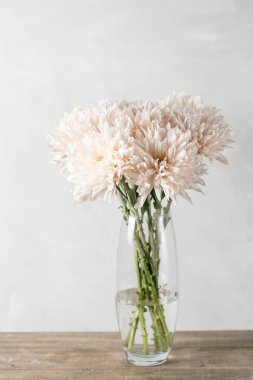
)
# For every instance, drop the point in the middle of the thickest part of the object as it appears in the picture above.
(196, 355)
(131, 374)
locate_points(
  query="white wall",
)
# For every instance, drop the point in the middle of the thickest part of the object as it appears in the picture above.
(57, 260)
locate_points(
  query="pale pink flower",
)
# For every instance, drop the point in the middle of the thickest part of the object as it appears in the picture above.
(165, 160)
(94, 146)
(206, 124)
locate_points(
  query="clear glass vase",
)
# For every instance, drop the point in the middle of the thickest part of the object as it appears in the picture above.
(147, 288)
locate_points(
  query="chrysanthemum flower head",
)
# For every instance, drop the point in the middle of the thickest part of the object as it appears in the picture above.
(165, 160)
(206, 124)
(94, 146)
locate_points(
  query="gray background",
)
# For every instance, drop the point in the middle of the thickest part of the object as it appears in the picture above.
(57, 260)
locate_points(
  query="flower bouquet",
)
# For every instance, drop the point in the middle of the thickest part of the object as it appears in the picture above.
(147, 153)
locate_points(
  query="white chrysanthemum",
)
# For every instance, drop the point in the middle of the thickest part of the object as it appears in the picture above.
(145, 114)
(165, 160)
(94, 146)
(207, 126)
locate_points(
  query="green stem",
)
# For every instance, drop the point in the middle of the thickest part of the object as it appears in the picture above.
(153, 243)
(129, 342)
(166, 215)
(158, 333)
(141, 310)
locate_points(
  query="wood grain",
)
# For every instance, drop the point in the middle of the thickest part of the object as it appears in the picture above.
(226, 355)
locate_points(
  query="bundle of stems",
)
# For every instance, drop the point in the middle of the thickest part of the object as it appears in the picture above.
(146, 251)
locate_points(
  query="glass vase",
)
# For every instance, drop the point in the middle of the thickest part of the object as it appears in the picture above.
(147, 288)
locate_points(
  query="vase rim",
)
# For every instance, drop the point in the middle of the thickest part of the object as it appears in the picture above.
(153, 217)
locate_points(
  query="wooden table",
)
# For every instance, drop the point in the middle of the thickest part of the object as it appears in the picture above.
(223, 355)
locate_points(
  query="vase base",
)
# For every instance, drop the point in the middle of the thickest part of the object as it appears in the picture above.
(147, 360)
